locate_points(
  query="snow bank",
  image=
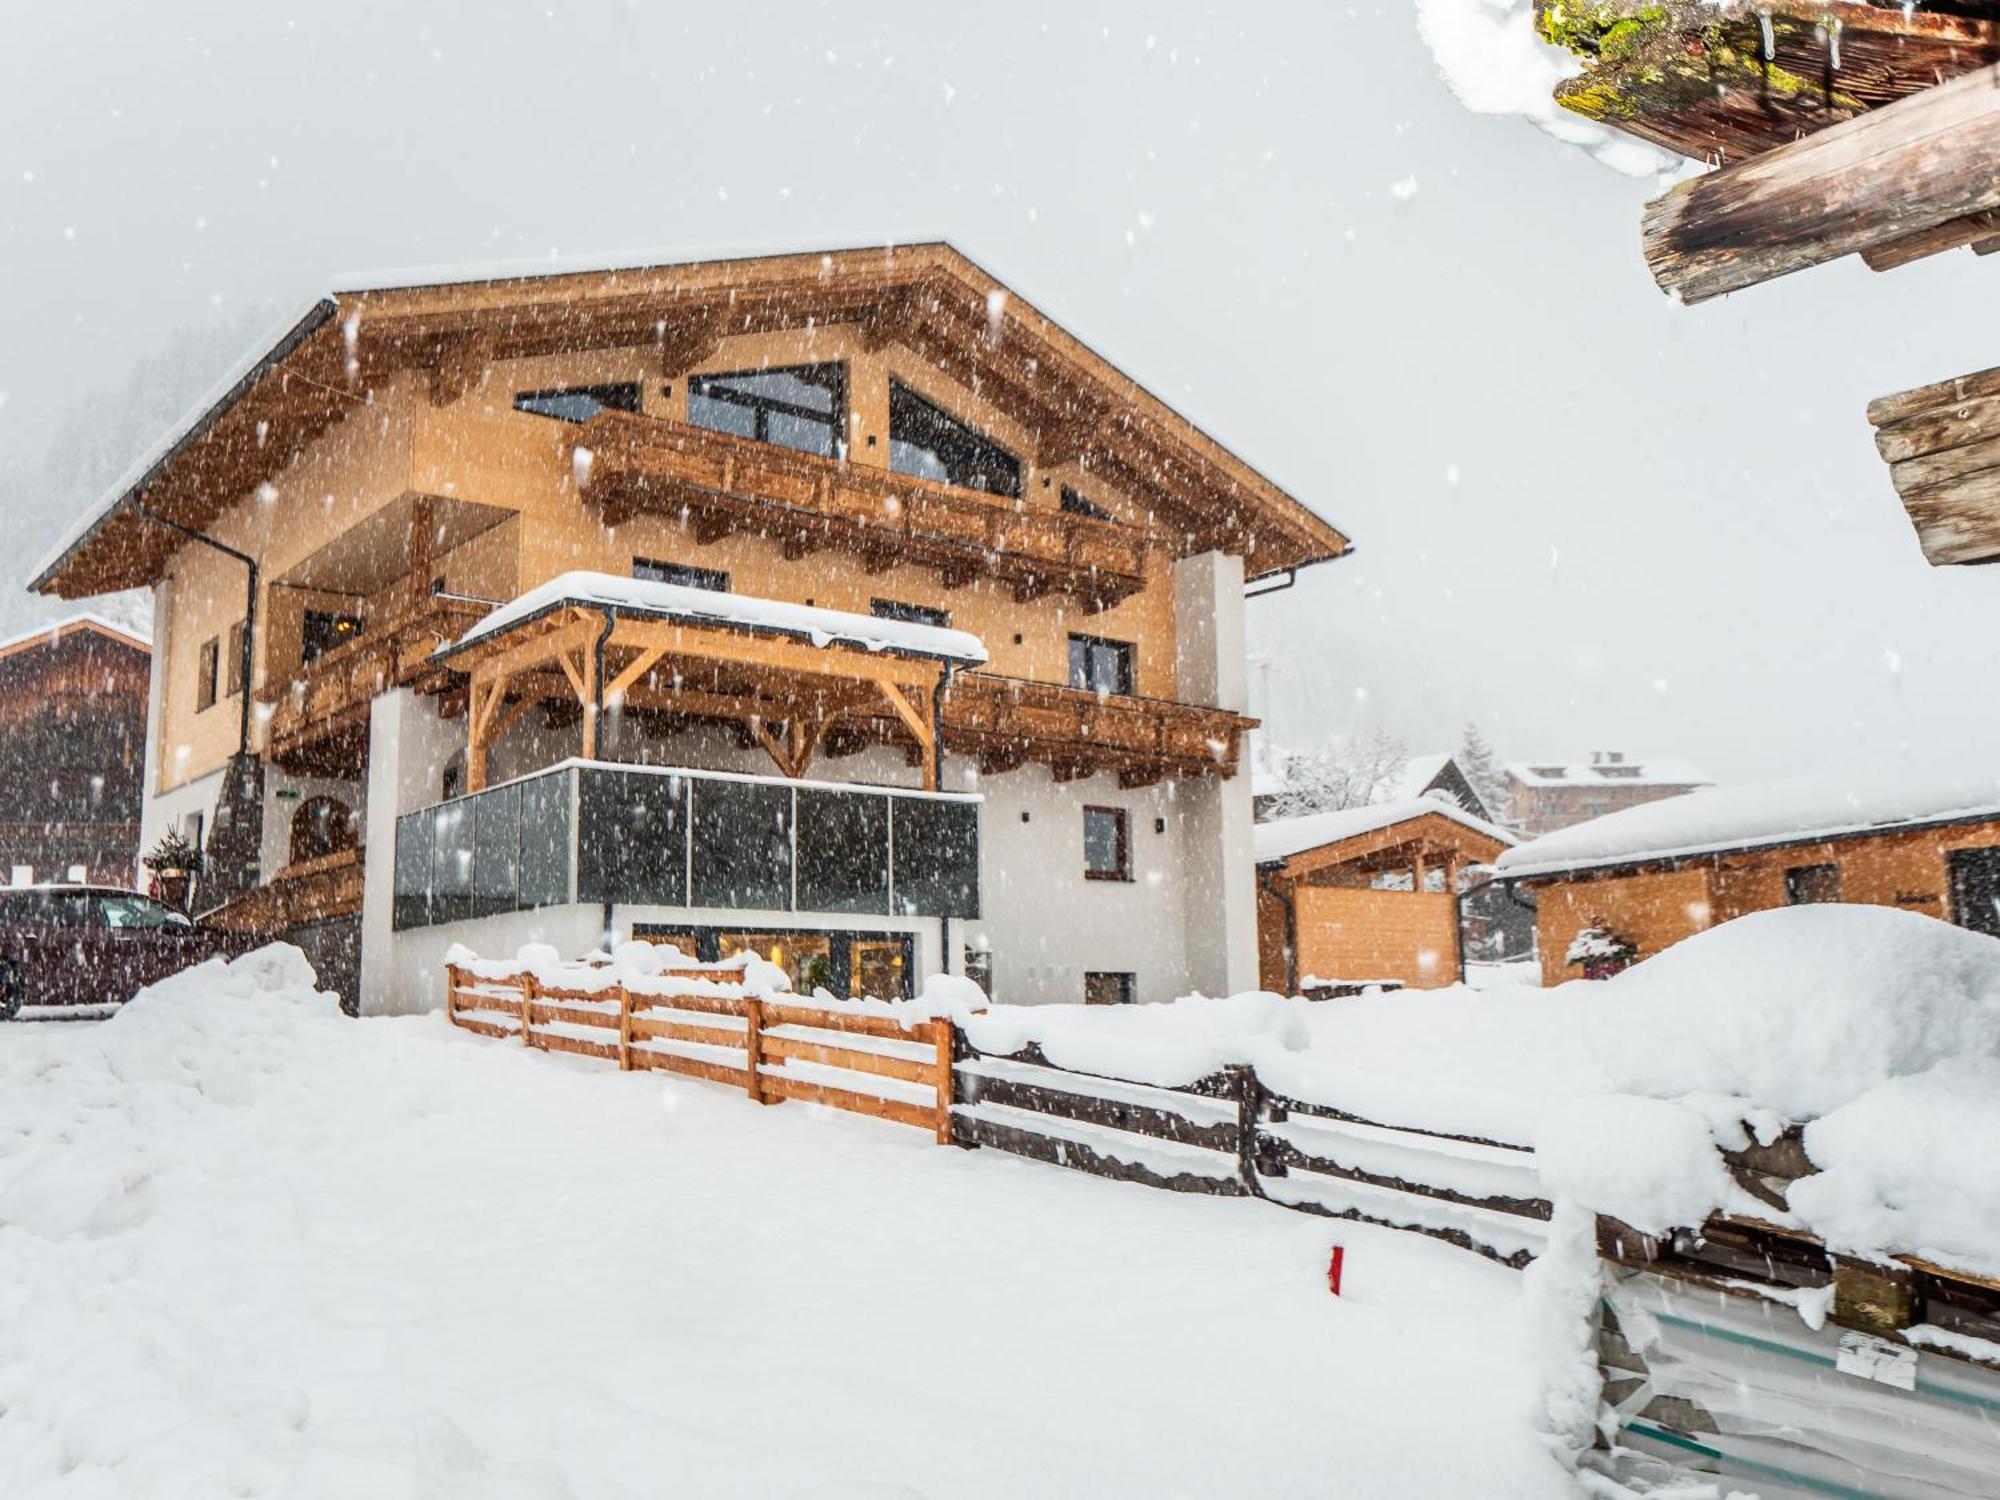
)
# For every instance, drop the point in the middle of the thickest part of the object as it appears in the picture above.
(1496, 63)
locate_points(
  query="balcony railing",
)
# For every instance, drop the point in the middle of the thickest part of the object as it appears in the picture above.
(331, 694)
(596, 833)
(1009, 719)
(314, 890)
(728, 483)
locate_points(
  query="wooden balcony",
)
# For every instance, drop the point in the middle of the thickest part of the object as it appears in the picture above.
(319, 724)
(724, 484)
(314, 890)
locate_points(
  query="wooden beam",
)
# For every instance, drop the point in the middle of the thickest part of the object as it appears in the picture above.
(1952, 234)
(641, 664)
(1883, 176)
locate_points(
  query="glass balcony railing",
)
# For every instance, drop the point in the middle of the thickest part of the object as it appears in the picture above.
(640, 836)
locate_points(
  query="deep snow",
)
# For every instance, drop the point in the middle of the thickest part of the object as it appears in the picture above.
(250, 1247)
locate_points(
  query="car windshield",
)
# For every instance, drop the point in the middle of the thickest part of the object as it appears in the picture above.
(136, 911)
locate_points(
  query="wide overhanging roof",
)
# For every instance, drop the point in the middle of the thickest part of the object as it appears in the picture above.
(637, 598)
(326, 363)
(1283, 838)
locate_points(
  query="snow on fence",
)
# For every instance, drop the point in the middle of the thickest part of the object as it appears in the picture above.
(1229, 1134)
(709, 1022)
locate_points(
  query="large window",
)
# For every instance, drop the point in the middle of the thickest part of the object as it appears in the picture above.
(579, 403)
(803, 407)
(325, 630)
(1100, 666)
(929, 444)
(1107, 844)
(652, 570)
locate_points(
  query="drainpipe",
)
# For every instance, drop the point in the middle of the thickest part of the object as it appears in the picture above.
(597, 675)
(249, 611)
(938, 693)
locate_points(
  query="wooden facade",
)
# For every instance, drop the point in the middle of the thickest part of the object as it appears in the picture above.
(1377, 906)
(1654, 904)
(72, 752)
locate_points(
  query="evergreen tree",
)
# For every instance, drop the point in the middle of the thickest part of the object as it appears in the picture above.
(1479, 766)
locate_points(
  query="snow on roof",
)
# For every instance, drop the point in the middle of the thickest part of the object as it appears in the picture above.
(1619, 772)
(55, 630)
(1284, 837)
(675, 601)
(1415, 778)
(1801, 810)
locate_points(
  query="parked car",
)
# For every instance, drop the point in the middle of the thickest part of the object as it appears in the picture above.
(95, 945)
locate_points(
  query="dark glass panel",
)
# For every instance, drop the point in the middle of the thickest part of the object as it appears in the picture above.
(743, 846)
(843, 851)
(545, 840)
(451, 860)
(413, 870)
(937, 858)
(496, 851)
(633, 844)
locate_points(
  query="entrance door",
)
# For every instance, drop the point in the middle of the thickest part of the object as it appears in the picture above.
(1975, 889)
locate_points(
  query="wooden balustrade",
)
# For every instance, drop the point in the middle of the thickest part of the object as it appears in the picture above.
(314, 890)
(725, 483)
(1009, 720)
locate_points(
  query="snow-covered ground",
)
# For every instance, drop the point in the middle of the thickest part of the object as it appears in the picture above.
(250, 1247)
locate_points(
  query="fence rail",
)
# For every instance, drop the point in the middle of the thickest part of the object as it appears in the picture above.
(702, 1025)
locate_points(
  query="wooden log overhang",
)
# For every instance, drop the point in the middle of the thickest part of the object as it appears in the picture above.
(1942, 445)
(722, 484)
(930, 298)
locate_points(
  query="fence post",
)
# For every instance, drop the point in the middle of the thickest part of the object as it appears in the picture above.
(624, 1029)
(947, 1053)
(451, 993)
(753, 1046)
(1249, 1104)
(527, 1010)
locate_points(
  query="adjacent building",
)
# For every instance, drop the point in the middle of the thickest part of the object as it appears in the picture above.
(1366, 896)
(840, 606)
(72, 752)
(1651, 876)
(1543, 796)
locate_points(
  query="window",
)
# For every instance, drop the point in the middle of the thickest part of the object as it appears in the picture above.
(578, 403)
(325, 630)
(236, 635)
(1107, 844)
(1076, 505)
(803, 407)
(1107, 988)
(909, 614)
(1809, 884)
(204, 674)
(137, 911)
(1100, 666)
(652, 570)
(1975, 889)
(924, 441)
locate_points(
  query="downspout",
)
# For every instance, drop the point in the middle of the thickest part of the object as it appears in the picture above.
(938, 694)
(596, 710)
(248, 650)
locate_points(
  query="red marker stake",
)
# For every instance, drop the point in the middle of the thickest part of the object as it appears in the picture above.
(1333, 1266)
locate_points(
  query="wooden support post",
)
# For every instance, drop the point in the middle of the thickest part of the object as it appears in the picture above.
(589, 696)
(624, 1029)
(527, 1010)
(1880, 1299)
(753, 1048)
(946, 1076)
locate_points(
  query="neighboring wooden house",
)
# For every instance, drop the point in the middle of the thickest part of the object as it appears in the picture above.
(1654, 875)
(1367, 895)
(872, 622)
(72, 752)
(1543, 796)
(1421, 776)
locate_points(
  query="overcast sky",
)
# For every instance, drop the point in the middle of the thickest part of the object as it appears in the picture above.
(1585, 517)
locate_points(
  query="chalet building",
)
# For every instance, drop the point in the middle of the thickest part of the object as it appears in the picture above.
(838, 606)
(1543, 796)
(1650, 876)
(1436, 773)
(1367, 895)
(72, 752)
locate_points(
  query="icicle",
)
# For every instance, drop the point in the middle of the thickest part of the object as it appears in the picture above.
(1770, 35)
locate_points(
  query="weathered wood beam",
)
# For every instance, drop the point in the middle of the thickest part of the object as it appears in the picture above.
(1942, 444)
(1950, 235)
(1883, 176)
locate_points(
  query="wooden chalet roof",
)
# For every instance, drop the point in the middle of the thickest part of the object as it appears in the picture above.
(326, 364)
(49, 635)
(1839, 127)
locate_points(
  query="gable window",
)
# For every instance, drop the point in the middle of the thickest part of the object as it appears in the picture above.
(579, 403)
(802, 407)
(1807, 885)
(1076, 505)
(652, 570)
(1104, 988)
(324, 630)
(204, 674)
(1107, 844)
(909, 614)
(236, 658)
(927, 443)
(1100, 666)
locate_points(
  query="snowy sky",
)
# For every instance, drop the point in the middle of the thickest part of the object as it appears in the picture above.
(1585, 516)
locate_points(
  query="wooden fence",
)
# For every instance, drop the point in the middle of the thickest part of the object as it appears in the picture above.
(1229, 1134)
(705, 1026)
